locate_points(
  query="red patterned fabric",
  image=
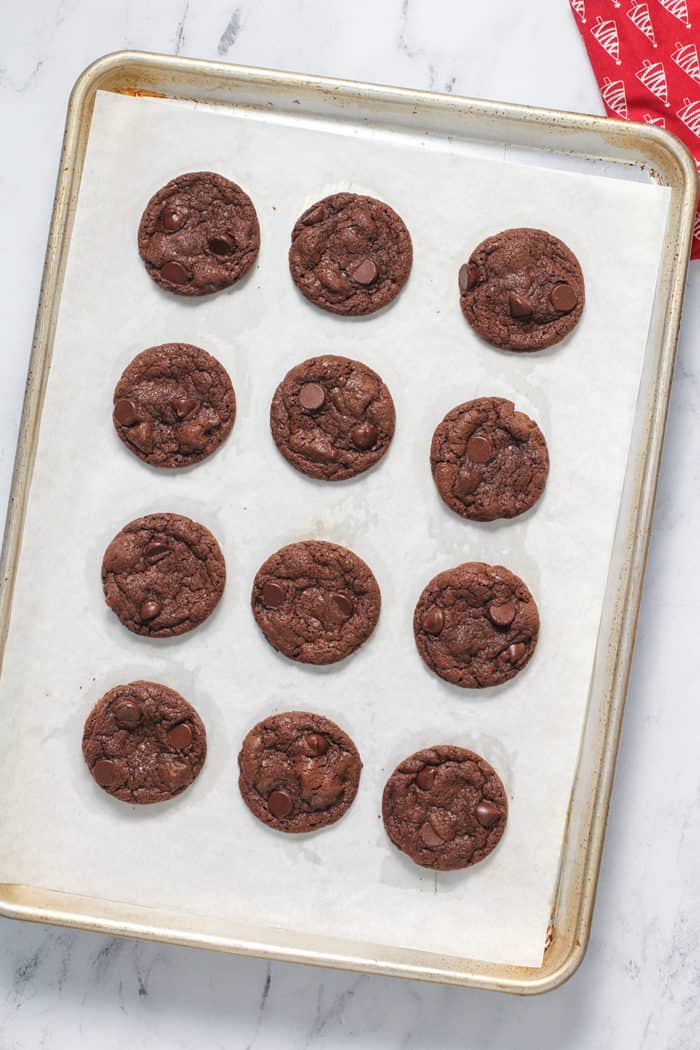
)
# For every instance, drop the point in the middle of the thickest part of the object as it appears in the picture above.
(645, 58)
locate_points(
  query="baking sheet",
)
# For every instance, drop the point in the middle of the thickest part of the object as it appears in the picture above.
(205, 853)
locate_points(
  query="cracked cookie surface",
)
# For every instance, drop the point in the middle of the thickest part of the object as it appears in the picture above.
(332, 418)
(174, 405)
(144, 743)
(350, 254)
(298, 771)
(476, 625)
(163, 575)
(445, 807)
(489, 461)
(522, 290)
(315, 602)
(198, 234)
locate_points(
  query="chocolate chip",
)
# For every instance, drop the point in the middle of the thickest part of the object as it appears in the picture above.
(180, 736)
(479, 449)
(315, 216)
(502, 615)
(183, 406)
(343, 604)
(127, 713)
(191, 437)
(175, 773)
(434, 620)
(366, 272)
(221, 244)
(280, 803)
(125, 412)
(172, 219)
(466, 482)
(150, 609)
(429, 836)
(519, 307)
(142, 436)
(155, 552)
(563, 298)
(467, 277)
(364, 435)
(312, 396)
(426, 778)
(174, 272)
(272, 594)
(317, 744)
(487, 814)
(105, 773)
(515, 652)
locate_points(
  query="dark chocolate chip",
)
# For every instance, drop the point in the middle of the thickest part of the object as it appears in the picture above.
(180, 736)
(317, 744)
(172, 219)
(183, 406)
(487, 814)
(364, 435)
(429, 836)
(221, 244)
(434, 620)
(426, 778)
(280, 803)
(343, 604)
(105, 773)
(515, 652)
(502, 615)
(155, 552)
(467, 277)
(150, 609)
(191, 437)
(174, 272)
(127, 713)
(563, 298)
(466, 483)
(125, 412)
(519, 307)
(272, 594)
(312, 396)
(479, 449)
(366, 272)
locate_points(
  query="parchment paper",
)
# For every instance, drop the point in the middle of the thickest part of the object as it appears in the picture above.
(204, 852)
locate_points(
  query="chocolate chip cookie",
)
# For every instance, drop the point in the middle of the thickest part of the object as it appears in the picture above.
(163, 575)
(522, 290)
(476, 625)
(199, 234)
(350, 254)
(298, 771)
(174, 405)
(488, 460)
(445, 807)
(315, 602)
(332, 418)
(144, 743)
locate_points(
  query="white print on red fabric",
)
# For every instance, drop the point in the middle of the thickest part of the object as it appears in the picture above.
(579, 7)
(605, 32)
(696, 228)
(615, 3)
(657, 122)
(689, 113)
(686, 58)
(639, 16)
(653, 76)
(679, 10)
(614, 97)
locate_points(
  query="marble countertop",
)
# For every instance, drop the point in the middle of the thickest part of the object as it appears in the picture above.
(638, 986)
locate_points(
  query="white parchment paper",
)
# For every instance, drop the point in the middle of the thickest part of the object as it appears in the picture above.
(205, 853)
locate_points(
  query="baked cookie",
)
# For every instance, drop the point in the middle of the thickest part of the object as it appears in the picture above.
(350, 254)
(163, 575)
(522, 290)
(298, 771)
(174, 405)
(445, 807)
(488, 460)
(199, 234)
(144, 743)
(315, 602)
(476, 625)
(332, 418)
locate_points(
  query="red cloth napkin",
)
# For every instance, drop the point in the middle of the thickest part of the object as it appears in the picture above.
(645, 58)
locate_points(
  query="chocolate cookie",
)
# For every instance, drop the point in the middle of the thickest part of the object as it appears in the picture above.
(522, 290)
(488, 460)
(476, 625)
(332, 417)
(298, 771)
(350, 254)
(163, 575)
(445, 807)
(174, 405)
(315, 602)
(199, 234)
(144, 743)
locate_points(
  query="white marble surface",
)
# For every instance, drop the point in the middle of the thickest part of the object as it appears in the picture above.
(638, 987)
